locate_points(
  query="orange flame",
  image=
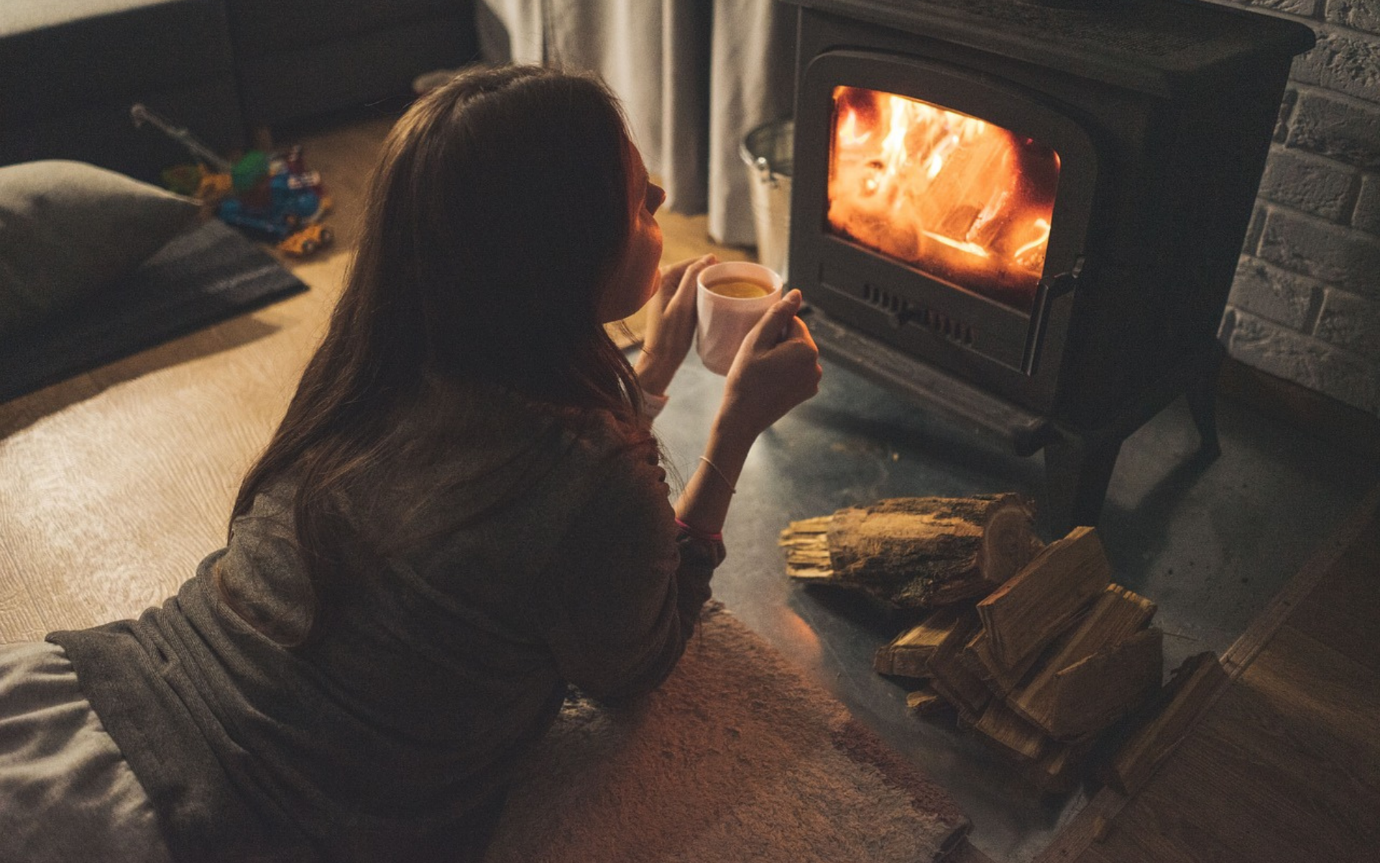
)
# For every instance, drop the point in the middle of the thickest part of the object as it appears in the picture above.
(949, 194)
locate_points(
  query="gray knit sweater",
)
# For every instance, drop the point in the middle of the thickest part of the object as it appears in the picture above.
(497, 556)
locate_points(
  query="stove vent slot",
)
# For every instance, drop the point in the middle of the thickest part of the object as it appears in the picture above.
(900, 311)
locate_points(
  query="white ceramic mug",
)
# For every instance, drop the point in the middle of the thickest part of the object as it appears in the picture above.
(723, 322)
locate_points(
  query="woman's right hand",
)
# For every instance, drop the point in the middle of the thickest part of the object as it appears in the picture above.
(776, 369)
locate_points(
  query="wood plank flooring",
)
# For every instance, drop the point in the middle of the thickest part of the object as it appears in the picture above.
(1285, 766)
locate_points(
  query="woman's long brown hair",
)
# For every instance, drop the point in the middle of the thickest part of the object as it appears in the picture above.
(493, 224)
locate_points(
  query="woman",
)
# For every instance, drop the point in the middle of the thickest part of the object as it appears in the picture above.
(461, 513)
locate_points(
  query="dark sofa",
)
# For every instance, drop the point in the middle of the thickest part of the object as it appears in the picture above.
(225, 69)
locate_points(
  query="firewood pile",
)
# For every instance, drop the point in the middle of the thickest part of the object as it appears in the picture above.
(1033, 647)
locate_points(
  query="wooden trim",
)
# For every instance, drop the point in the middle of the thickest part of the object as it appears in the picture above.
(1091, 823)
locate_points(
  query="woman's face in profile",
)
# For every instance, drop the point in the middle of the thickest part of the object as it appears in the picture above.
(635, 278)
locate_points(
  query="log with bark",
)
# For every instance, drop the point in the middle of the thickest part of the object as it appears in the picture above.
(916, 552)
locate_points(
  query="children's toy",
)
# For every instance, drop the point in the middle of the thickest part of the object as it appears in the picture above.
(274, 196)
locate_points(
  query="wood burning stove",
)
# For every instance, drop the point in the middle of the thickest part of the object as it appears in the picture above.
(1029, 216)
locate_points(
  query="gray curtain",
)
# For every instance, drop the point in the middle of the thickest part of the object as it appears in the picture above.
(694, 76)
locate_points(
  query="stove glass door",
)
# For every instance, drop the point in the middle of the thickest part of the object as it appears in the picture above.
(961, 199)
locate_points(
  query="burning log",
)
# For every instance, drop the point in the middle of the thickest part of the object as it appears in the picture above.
(1026, 613)
(916, 552)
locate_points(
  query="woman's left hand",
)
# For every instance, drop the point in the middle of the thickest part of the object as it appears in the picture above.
(670, 324)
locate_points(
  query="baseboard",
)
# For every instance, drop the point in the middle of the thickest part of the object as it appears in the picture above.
(1319, 414)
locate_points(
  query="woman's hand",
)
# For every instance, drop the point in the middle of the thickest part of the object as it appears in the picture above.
(670, 324)
(776, 369)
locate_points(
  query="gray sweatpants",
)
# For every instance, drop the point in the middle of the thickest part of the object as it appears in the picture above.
(66, 792)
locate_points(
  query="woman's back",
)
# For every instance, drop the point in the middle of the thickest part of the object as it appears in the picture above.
(444, 643)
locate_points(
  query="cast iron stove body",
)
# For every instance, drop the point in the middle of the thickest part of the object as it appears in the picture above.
(1029, 216)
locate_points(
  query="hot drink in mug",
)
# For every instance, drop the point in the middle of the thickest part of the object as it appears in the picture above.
(731, 299)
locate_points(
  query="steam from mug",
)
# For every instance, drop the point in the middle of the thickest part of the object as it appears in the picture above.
(723, 322)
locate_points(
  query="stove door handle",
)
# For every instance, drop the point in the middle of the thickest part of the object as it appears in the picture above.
(1053, 306)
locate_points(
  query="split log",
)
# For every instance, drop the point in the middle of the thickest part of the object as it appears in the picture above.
(1115, 616)
(1024, 615)
(908, 654)
(1001, 681)
(1090, 695)
(1192, 687)
(926, 702)
(952, 680)
(916, 552)
(1009, 733)
(1059, 768)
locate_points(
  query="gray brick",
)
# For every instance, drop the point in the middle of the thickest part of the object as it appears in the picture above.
(1345, 61)
(1306, 8)
(1350, 322)
(1319, 186)
(1360, 14)
(1286, 109)
(1277, 295)
(1344, 257)
(1367, 214)
(1254, 229)
(1340, 130)
(1302, 359)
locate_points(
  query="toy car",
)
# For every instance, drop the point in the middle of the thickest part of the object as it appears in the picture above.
(308, 240)
(275, 197)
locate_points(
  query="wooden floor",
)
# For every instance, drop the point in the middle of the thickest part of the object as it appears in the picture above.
(1285, 764)
(117, 482)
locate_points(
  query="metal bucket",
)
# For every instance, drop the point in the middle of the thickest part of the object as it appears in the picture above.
(767, 151)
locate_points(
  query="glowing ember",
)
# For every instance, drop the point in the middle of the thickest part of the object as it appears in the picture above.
(946, 193)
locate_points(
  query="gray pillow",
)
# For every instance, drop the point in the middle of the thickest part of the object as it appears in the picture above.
(68, 228)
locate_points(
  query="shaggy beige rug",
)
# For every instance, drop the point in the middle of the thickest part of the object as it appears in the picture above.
(736, 757)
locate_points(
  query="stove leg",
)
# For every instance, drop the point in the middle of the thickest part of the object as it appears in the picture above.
(1202, 404)
(1078, 469)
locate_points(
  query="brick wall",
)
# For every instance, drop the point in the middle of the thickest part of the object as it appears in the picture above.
(1305, 305)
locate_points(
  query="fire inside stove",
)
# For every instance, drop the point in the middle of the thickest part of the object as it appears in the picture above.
(955, 197)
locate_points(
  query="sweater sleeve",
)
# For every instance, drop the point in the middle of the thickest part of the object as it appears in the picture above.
(626, 595)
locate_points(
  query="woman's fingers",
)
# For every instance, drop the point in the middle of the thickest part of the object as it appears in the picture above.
(674, 276)
(689, 278)
(776, 324)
